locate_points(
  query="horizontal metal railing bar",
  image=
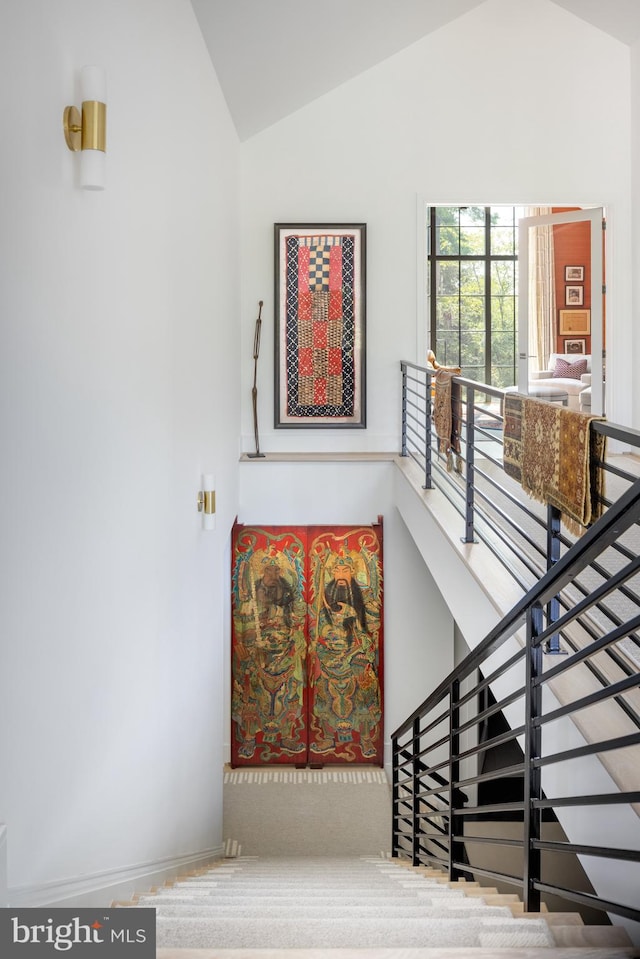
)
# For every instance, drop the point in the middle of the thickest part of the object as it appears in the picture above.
(508, 520)
(490, 809)
(614, 431)
(582, 655)
(586, 653)
(491, 743)
(534, 517)
(619, 580)
(412, 431)
(429, 747)
(440, 718)
(442, 765)
(505, 877)
(490, 840)
(433, 814)
(506, 772)
(586, 899)
(623, 628)
(423, 795)
(421, 800)
(592, 749)
(497, 707)
(608, 692)
(416, 400)
(444, 863)
(489, 678)
(600, 799)
(602, 532)
(628, 855)
(413, 427)
(499, 534)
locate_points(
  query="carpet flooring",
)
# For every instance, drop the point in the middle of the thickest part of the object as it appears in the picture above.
(307, 812)
(365, 902)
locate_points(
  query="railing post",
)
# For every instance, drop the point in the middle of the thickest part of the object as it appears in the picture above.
(403, 367)
(469, 487)
(456, 848)
(415, 774)
(552, 645)
(428, 444)
(532, 751)
(395, 806)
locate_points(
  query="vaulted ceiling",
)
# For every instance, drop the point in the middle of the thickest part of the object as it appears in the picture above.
(274, 56)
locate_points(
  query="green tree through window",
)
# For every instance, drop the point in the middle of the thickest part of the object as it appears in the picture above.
(473, 263)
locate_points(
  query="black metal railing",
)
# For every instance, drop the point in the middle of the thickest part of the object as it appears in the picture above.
(487, 769)
(525, 536)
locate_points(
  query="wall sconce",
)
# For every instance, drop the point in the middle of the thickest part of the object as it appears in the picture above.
(207, 502)
(87, 133)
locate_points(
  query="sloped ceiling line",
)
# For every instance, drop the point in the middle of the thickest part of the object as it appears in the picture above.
(272, 58)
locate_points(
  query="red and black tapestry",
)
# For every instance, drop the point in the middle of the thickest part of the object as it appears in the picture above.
(307, 645)
(320, 332)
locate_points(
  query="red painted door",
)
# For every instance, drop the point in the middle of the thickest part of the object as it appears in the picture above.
(307, 645)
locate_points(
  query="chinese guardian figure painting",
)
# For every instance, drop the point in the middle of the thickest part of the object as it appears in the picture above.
(306, 645)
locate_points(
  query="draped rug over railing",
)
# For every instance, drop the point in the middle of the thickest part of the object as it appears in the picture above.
(553, 453)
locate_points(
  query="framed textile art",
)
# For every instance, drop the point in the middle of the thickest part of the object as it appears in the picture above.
(307, 645)
(320, 311)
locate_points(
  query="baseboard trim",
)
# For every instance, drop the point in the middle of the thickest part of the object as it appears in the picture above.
(103, 888)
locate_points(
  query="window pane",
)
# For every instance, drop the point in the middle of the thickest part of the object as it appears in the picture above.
(503, 358)
(448, 278)
(447, 241)
(502, 241)
(503, 278)
(447, 216)
(472, 278)
(472, 313)
(472, 241)
(473, 354)
(447, 315)
(503, 313)
(447, 349)
(472, 216)
(502, 216)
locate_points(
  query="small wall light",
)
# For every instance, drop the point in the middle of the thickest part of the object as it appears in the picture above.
(207, 501)
(87, 133)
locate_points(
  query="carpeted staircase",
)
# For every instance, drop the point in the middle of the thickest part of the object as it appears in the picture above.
(364, 903)
(307, 871)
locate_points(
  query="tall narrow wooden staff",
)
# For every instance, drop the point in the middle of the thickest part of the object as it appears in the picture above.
(254, 391)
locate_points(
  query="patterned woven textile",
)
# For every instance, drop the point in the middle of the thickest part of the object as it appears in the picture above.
(447, 417)
(320, 332)
(554, 454)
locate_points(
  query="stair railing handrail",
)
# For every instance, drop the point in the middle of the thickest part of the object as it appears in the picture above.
(605, 531)
(420, 797)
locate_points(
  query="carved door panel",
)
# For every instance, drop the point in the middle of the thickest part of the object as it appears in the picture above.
(306, 645)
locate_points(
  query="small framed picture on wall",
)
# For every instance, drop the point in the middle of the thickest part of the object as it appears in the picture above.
(575, 321)
(574, 295)
(574, 274)
(575, 346)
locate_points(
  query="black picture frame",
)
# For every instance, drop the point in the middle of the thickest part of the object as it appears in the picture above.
(320, 325)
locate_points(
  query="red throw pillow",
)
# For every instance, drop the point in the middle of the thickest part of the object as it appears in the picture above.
(572, 371)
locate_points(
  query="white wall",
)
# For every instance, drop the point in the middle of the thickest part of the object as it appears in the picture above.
(518, 101)
(119, 323)
(635, 209)
(418, 627)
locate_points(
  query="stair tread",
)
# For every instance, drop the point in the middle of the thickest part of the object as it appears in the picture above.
(590, 936)
(370, 904)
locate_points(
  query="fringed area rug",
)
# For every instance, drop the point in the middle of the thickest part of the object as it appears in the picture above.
(554, 454)
(447, 417)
